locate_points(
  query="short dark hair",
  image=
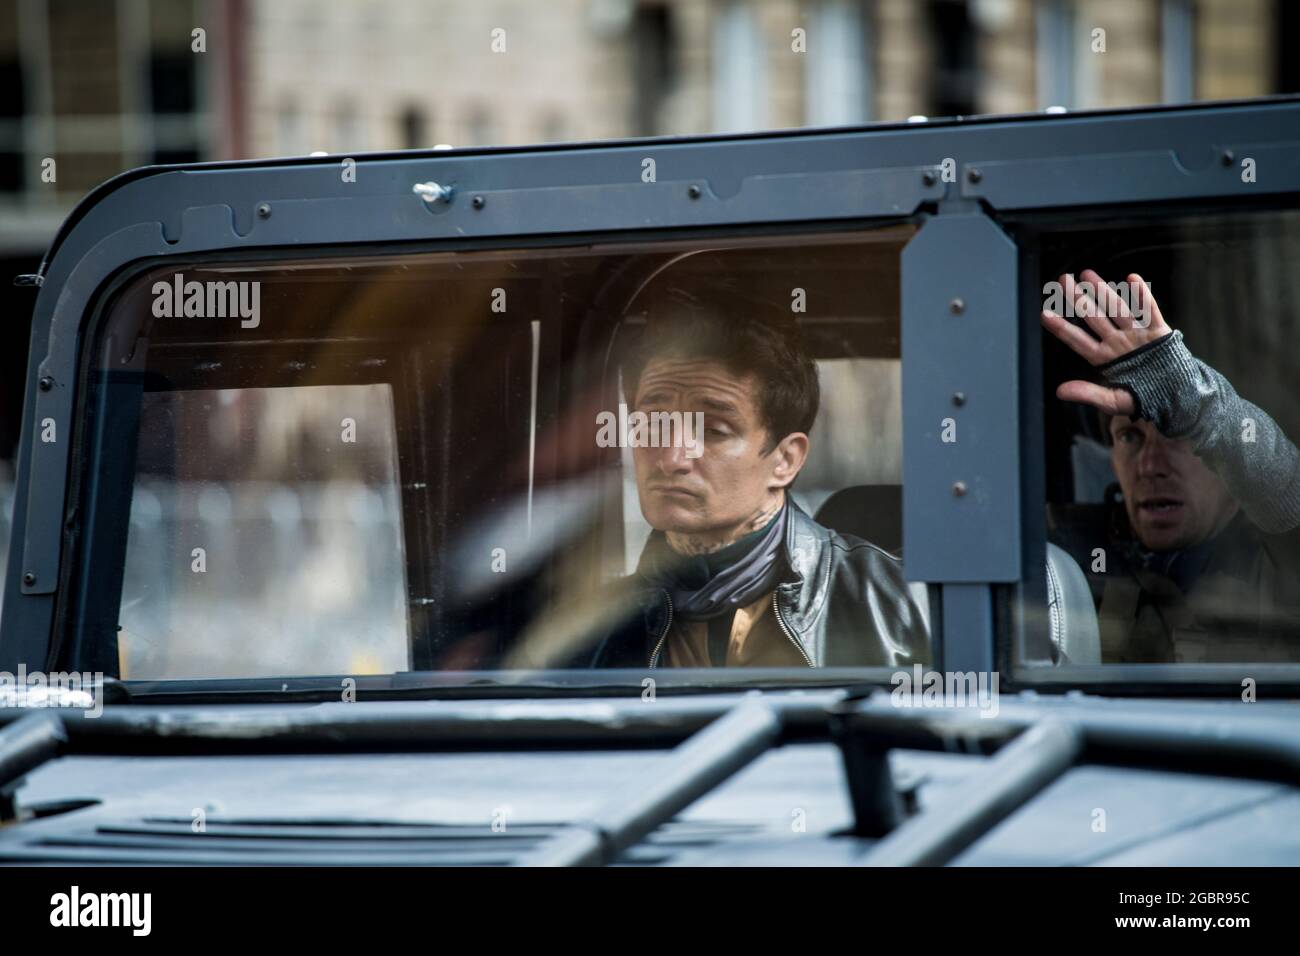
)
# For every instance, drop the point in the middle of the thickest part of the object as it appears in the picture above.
(746, 338)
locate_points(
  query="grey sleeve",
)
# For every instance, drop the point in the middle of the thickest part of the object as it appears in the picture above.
(1185, 398)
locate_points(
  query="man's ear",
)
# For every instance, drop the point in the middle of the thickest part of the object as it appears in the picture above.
(788, 458)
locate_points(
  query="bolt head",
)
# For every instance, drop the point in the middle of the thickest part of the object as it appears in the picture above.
(959, 398)
(958, 489)
(1227, 157)
(693, 191)
(478, 202)
(29, 578)
(929, 178)
(46, 383)
(974, 175)
(957, 306)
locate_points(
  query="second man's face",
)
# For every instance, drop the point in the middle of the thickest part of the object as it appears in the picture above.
(1172, 498)
(733, 480)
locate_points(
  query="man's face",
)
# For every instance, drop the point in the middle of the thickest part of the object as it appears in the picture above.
(1173, 499)
(732, 481)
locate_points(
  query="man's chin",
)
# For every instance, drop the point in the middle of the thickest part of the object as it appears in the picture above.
(1163, 537)
(674, 518)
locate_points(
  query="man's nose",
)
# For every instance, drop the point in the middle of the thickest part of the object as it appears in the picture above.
(671, 459)
(1153, 459)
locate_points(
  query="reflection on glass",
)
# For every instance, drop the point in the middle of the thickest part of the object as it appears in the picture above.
(265, 536)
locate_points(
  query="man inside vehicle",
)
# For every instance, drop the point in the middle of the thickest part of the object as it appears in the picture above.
(1202, 562)
(735, 573)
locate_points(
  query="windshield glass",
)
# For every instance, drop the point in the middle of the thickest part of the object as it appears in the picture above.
(651, 456)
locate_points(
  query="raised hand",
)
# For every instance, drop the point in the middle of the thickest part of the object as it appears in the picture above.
(1119, 327)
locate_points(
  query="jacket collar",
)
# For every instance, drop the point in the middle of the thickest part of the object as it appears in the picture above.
(802, 596)
(802, 593)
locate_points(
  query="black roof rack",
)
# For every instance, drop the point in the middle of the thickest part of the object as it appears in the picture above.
(1030, 742)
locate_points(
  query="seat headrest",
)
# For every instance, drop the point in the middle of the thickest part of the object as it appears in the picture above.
(871, 512)
(1071, 615)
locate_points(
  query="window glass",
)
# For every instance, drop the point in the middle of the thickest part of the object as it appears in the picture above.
(1182, 513)
(455, 461)
(265, 535)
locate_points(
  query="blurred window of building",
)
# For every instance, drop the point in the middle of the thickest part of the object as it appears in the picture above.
(12, 94)
(173, 80)
(1054, 54)
(837, 65)
(1285, 27)
(168, 83)
(739, 69)
(952, 40)
(88, 90)
(84, 69)
(78, 115)
(414, 128)
(654, 66)
(1177, 50)
(1066, 63)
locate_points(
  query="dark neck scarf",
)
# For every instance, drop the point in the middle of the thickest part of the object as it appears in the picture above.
(706, 586)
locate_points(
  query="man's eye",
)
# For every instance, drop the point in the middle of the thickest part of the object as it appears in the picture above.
(1128, 437)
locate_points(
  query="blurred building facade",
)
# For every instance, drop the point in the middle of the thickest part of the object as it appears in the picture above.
(404, 73)
(99, 86)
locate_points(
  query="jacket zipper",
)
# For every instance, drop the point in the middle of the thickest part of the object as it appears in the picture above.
(776, 609)
(654, 656)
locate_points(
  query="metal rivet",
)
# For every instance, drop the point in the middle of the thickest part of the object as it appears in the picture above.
(29, 578)
(929, 178)
(478, 202)
(959, 398)
(1227, 157)
(974, 175)
(693, 191)
(46, 383)
(958, 488)
(264, 210)
(957, 306)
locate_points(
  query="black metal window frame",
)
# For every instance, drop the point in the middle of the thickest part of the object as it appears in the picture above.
(965, 291)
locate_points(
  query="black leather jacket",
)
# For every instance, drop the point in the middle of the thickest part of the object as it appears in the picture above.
(843, 603)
